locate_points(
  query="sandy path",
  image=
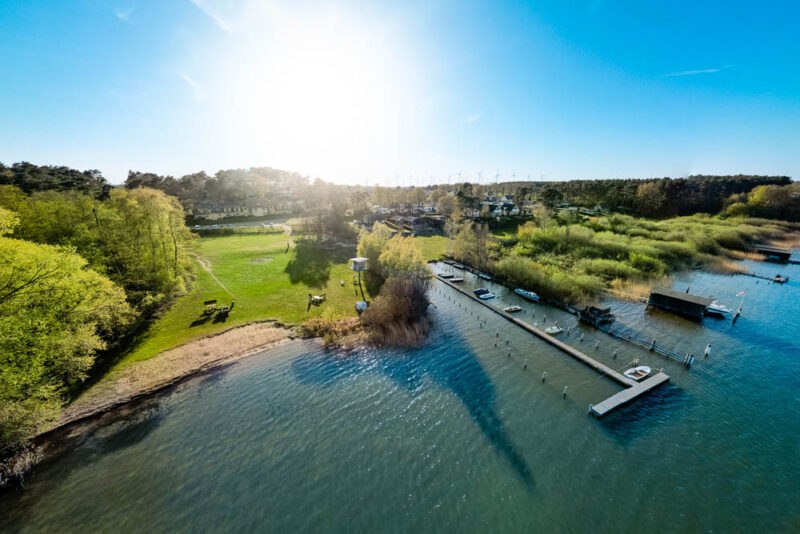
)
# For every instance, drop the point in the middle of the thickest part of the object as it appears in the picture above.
(145, 377)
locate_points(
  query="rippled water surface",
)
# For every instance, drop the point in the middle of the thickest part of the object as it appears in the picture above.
(461, 435)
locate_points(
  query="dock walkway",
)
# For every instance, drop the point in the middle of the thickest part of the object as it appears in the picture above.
(627, 395)
(634, 389)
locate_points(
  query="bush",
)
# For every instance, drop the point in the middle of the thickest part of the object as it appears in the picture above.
(608, 269)
(398, 316)
(648, 264)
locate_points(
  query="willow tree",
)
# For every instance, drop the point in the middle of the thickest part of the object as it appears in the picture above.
(398, 315)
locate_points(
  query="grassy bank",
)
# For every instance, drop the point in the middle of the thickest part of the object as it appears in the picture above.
(265, 282)
(263, 279)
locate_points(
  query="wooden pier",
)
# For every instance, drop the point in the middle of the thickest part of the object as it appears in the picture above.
(627, 395)
(634, 388)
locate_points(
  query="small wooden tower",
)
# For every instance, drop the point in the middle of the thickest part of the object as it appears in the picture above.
(359, 265)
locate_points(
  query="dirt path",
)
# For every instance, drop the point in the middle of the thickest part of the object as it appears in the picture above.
(206, 265)
(143, 378)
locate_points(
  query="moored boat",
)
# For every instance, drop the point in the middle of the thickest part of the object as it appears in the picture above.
(445, 275)
(529, 295)
(512, 309)
(637, 373)
(484, 276)
(456, 280)
(487, 296)
(717, 309)
(458, 266)
(480, 291)
(553, 330)
(448, 262)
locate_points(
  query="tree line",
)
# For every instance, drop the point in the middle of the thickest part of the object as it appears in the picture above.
(81, 270)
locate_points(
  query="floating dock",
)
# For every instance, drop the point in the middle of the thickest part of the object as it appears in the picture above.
(634, 388)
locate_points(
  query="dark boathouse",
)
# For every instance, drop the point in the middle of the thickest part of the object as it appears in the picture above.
(686, 304)
(777, 254)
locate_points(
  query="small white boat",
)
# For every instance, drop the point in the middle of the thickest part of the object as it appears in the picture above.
(487, 296)
(484, 276)
(512, 309)
(445, 275)
(715, 308)
(637, 373)
(553, 330)
(456, 280)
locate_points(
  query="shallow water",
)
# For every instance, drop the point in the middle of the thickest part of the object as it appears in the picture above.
(458, 435)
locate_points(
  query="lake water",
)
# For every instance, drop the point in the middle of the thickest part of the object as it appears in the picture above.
(460, 436)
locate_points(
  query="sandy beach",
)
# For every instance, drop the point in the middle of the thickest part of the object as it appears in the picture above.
(147, 377)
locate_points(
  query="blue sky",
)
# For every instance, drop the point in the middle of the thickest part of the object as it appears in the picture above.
(403, 92)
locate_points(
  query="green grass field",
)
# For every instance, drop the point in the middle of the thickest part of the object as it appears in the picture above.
(265, 281)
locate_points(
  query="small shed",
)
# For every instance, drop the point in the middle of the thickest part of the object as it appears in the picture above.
(685, 304)
(776, 254)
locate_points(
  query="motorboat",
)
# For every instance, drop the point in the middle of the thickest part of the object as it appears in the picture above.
(512, 309)
(487, 296)
(637, 373)
(456, 280)
(480, 291)
(448, 262)
(720, 310)
(528, 295)
(445, 275)
(780, 279)
(484, 276)
(458, 266)
(553, 330)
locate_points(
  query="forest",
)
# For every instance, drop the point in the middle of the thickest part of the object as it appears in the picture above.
(80, 273)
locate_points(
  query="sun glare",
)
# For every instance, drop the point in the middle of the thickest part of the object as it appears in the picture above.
(316, 95)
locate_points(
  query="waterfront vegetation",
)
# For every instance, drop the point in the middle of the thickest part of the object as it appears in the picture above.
(55, 314)
(573, 258)
(94, 278)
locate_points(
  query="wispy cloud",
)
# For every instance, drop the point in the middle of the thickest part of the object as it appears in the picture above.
(197, 89)
(472, 119)
(124, 14)
(210, 12)
(695, 72)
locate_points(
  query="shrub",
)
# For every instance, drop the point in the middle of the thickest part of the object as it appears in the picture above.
(647, 264)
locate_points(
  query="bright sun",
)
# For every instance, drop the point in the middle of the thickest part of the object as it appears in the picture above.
(323, 95)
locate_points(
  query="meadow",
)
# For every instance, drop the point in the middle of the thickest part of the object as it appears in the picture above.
(265, 281)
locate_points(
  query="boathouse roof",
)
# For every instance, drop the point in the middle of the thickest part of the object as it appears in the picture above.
(682, 296)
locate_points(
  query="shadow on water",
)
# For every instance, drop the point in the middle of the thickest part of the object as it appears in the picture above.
(448, 361)
(637, 419)
(130, 432)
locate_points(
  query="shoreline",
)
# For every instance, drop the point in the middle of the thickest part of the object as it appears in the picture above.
(120, 396)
